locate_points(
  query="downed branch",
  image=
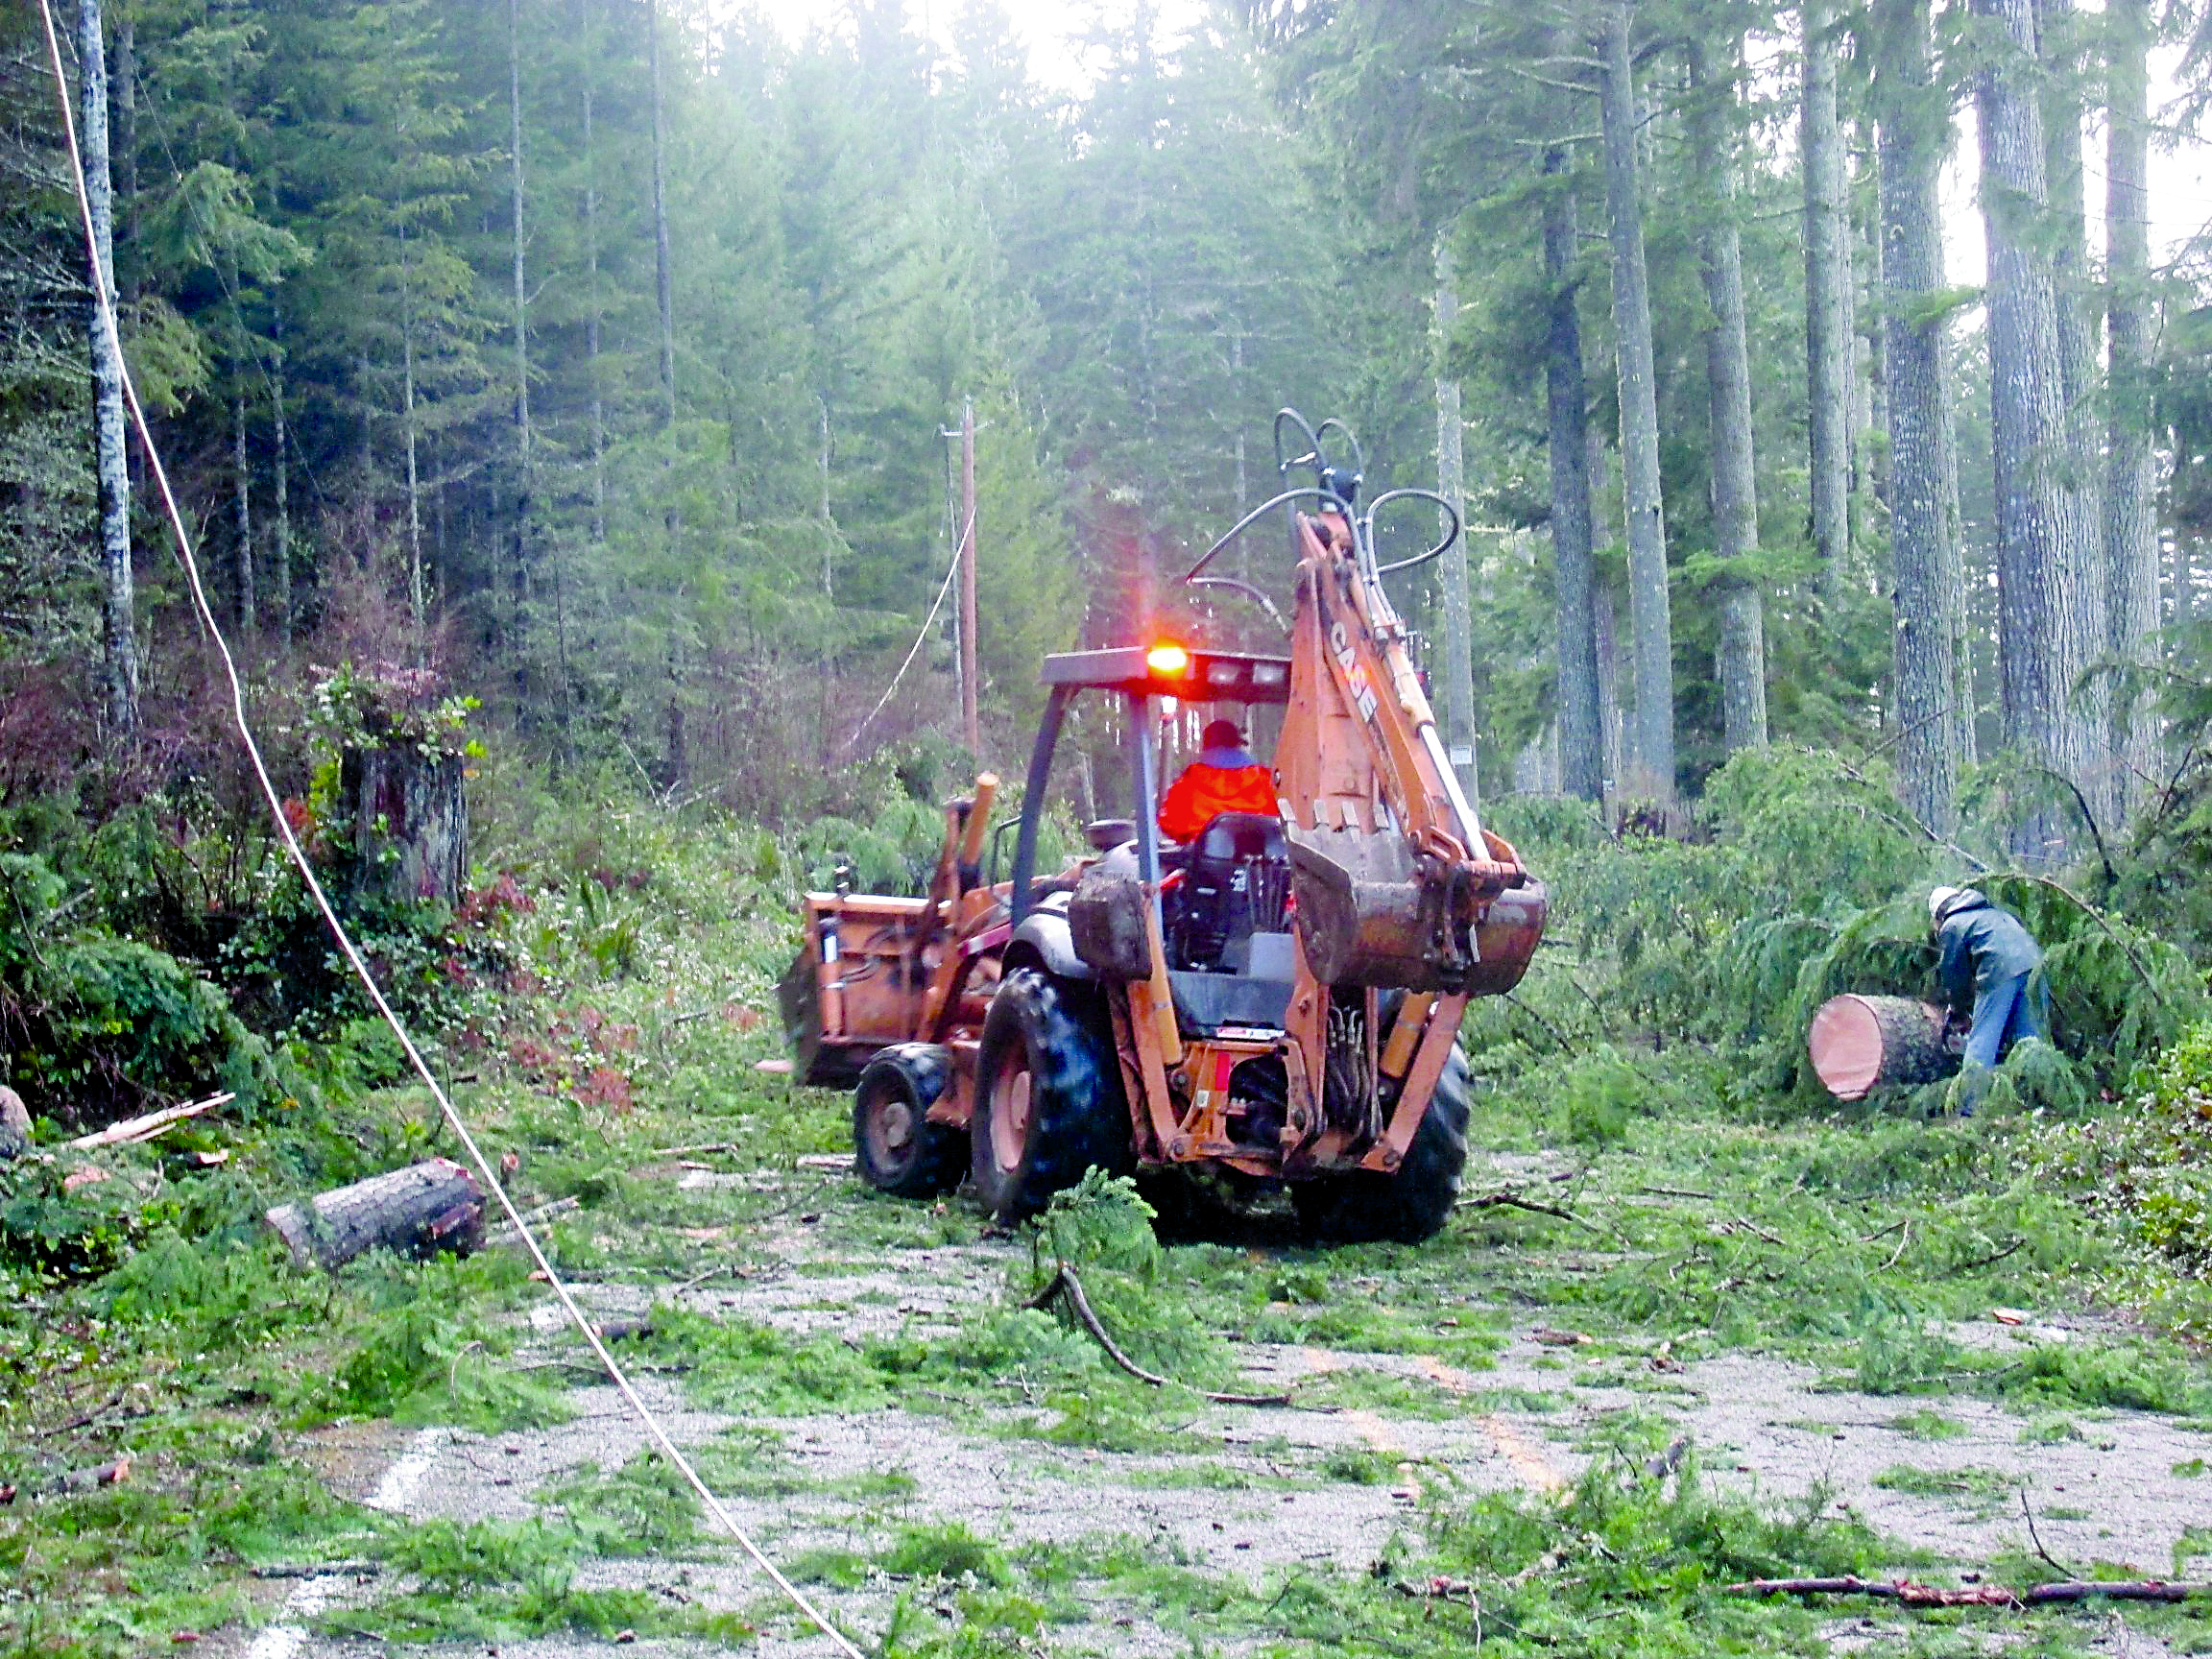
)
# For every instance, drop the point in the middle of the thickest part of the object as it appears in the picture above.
(133, 1130)
(1907, 1594)
(1064, 1285)
(1508, 1198)
(509, 1237)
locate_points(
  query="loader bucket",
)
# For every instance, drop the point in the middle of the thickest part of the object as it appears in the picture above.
(1372, 911)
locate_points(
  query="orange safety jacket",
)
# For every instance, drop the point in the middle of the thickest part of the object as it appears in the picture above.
(1203, 793)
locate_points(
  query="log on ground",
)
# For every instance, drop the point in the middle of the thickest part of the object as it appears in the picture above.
(419, 1210)
(1860, 1043)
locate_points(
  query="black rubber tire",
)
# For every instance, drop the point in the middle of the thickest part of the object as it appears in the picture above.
(1412, 1205)
(1076, 1117)
(896, 1148)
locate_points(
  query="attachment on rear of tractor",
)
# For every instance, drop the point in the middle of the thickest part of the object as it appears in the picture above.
(1373, 910)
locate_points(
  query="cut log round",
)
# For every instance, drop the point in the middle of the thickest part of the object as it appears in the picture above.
(418, 1210)
(1860, 1043)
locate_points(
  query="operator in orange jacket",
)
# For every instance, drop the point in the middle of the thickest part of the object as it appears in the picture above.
(1223, 779)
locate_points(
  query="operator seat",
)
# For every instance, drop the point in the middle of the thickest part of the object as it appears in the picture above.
(1235, 885)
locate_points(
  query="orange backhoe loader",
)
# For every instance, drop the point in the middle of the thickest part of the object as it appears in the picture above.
(1279, 996)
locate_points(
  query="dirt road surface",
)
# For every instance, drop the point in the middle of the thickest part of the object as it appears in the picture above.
(1253, 1493)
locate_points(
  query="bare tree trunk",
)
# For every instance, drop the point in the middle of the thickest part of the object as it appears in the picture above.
(1962, 577)
(587, 21)
(665, 277)
(2038, 636)
(242, 506)
(2081, 480)
(1740, 660)
(120, 659)
(1650, 628)
(1450, 483)
(417, 596)
(1611, 719)
(1828, 343)
(2130, 527)
(1914, 128)
(280, 552)
(1876, 463)
(1582, 731)
(525, 504)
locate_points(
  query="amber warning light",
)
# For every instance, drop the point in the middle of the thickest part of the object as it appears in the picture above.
(1168, 659)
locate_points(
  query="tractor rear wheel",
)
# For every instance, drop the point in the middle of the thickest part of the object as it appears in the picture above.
(1048, 1099)
(898, 1149)
(1414, 1203)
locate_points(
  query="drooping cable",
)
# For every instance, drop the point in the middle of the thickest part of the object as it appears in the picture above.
(104, 307)
(927, 622)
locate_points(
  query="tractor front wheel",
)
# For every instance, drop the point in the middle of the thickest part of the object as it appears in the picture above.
(1412, 1204)
(1048, 1099)
(897, 1149)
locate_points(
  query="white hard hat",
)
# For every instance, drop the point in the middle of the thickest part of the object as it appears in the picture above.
(1939, 897)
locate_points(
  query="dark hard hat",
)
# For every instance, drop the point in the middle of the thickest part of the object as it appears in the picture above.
(1221, 734)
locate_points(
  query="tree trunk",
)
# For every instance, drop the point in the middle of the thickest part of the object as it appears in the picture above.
(2039, 632)
(1582, 731)
(2081, 480)
(281, 553)
(120, 654)
(2130, 526)
(1450, 483)
(1961, 581)
(125, 123)
(586, 22)
(1914, 129)
(1612, 717)
(525, 498)
(1828, 343)
(1739, 660)
(1877, 462)
(1650, 628)
(242, 508)
(417, 1211)
(1860, 1043)
(418, 589)
(663, 273)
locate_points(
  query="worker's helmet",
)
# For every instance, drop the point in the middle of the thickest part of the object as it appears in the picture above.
(1938, 898)
(1221, 734)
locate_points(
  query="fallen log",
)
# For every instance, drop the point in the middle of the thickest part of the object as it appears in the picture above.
(1907, 1594)
(421, 1210)
(1860, 1043)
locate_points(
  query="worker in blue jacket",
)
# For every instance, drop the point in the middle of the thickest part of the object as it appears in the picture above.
(1986, 950)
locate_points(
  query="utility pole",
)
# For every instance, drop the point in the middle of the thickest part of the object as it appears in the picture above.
(1450, 483)
(969, 721)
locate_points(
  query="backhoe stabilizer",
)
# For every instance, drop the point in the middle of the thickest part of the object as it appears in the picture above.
(1373, 909)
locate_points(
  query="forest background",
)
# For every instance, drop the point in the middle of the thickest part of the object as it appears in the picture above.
(600, 357)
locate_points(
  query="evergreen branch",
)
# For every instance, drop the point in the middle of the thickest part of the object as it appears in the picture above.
(1066, 1286)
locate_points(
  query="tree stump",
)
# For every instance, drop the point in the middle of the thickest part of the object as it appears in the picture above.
(417, 1211)
(14, 1124)
(401, 813)
(406, 814)
(1860, 1043)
